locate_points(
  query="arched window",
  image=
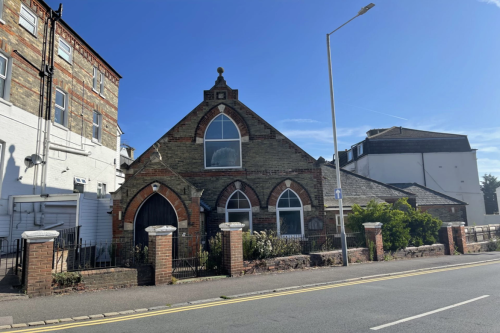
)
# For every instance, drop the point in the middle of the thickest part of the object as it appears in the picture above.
(238, 209)
(222, 144)
(289, 214)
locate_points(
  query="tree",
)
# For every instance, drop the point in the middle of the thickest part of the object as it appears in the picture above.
(402, 225)
(489, 184)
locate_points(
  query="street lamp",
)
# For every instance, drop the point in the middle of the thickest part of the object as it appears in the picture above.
(337, 161)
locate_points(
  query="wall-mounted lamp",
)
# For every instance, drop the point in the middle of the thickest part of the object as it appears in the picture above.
(156, 186)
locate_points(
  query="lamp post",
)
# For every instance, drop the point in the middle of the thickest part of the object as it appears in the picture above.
(337, 162)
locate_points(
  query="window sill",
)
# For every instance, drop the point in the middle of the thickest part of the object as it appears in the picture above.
(60, 126)
(95, 91)
(102, 96)
(224, 168)
(96, 142)
(3, 101)
(32, 34)
(2, 22)
(69, 62)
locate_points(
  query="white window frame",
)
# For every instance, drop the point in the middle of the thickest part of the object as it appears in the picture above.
(94, 80)
(103, 187)
(4, 77)
(99, 127)
(101, 84)
(59, 50)
(360, 149)
(350, 155)
(213, 140)
(290, 209)
(237, 210)
(81, 181)
(63, 108)
(22, 15)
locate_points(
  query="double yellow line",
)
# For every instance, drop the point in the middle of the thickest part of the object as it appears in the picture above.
(242, 299)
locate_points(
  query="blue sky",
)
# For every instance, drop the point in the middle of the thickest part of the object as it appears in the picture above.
(425, 64)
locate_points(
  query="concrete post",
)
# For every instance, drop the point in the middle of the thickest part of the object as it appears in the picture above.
(160, 252)
(39, 255)
(373, 233)
(459, 231)
(446, 237)
(232, 247)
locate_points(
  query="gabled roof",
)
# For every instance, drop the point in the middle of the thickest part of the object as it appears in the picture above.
(357, 189)
(427, 196)
(408, 133)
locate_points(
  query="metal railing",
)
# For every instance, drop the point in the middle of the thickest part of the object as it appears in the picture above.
(269, 245)
(89, 255)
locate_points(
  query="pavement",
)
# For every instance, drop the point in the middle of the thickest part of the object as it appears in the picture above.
(113, 301)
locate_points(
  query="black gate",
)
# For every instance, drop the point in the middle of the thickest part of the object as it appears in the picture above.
(155, 211)
(195, 256)
(11, 261)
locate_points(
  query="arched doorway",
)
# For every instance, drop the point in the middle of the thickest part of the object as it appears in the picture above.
(156, 210)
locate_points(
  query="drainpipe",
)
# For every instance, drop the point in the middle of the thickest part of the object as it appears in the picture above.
(54, 17)
(423, 169)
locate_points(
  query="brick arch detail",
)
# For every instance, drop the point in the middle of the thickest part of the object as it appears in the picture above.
(145, 193)
(243, 187)
(294, 186)
(214, 112)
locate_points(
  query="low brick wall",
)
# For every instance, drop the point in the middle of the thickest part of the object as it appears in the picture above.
(330, 258)
(418, 252)
(478, 247)
(111, 278)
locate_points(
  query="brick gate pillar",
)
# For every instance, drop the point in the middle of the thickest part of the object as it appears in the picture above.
(160, 252)
(232, 247)
(39, 255)
(459, 231)
(373, 233)
(446, 237)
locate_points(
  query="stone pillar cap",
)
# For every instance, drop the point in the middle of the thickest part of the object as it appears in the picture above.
(40, 236)
(457, 224)
(375, 225)
(160, 230)
(446, 224)
(231, 226)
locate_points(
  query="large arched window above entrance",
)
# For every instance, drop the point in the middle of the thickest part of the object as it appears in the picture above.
(238, 209)
(222, 144)
(289, 214)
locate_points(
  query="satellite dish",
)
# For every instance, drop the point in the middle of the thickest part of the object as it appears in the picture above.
(36, 159)
(32, 160)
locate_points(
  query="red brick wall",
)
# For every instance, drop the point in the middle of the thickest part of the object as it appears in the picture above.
(160, 252)
(375, 235)
(232, 252)
(38, 276)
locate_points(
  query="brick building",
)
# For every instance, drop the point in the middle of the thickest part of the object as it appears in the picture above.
(58, 126)
(224, 163)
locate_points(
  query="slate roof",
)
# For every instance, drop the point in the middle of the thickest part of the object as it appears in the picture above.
(357, 189)
(427, 196)
(408, 133)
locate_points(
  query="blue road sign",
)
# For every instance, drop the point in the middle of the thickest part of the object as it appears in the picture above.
(338, 193)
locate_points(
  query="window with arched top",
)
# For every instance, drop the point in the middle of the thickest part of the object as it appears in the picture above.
(238, 209)
(222, 144)
(289, 214)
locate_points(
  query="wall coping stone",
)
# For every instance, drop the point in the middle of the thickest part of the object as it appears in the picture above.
(160, 230)
(40, 236)
(231, 226)
(375, 225)
(457, 224)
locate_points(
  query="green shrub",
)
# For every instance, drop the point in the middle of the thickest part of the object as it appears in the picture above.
(213, 258)
(402, 224)
(66, 279)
